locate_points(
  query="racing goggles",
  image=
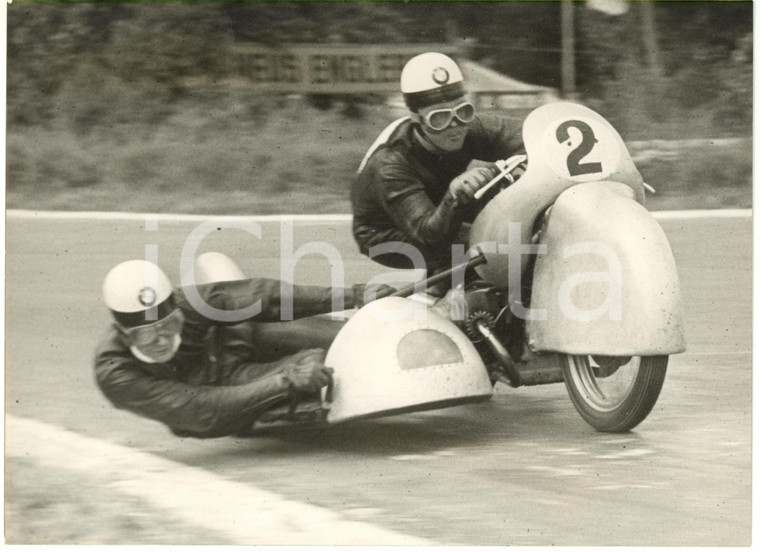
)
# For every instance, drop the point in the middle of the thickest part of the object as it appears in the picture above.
(440, 119)
(168, 327)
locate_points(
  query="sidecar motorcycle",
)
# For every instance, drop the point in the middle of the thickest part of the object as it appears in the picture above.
(576, 282)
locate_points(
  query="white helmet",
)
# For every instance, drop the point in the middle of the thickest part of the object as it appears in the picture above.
(431, 78)
(137, 292)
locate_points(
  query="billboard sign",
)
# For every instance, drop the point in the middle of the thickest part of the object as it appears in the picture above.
(325, 68)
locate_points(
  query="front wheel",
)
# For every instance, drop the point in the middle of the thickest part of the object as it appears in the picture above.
(613, 394)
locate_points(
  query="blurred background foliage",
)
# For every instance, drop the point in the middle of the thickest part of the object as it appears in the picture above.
(116, 106)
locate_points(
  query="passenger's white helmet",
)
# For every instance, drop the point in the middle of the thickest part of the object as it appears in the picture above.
(137, 292)
(431, 78)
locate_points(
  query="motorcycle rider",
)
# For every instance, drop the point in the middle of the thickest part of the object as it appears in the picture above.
(414, 187)
(201, 371)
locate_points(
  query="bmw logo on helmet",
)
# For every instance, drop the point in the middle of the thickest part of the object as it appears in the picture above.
(133, 288)
(431, 78)
(147, 296)
(440, 75)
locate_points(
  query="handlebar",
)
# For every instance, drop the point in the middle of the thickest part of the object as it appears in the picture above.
(406, 291)
(505, 169)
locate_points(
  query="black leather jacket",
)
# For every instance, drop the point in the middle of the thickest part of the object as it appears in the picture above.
(400, 195)
(207, 391)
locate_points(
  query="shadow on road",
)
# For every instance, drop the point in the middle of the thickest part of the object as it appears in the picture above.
(503, 419)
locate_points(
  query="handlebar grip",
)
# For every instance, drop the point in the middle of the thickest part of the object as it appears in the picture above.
(506, 167)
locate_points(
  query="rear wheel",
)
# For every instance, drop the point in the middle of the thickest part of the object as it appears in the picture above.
(613, 394)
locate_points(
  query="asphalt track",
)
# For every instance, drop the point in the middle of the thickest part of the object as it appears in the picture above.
(522, 469)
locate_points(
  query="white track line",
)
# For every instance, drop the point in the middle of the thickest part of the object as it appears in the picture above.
(166, 217)
(245, 514)
(706, 213)
(713, 353)
(334, 218)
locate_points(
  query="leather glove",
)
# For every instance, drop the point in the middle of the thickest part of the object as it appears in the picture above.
(517, 172)
(452, 306)
(464, 186)
(307, 372)
(364, 294)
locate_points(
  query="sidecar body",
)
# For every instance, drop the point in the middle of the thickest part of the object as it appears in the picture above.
(394, 355)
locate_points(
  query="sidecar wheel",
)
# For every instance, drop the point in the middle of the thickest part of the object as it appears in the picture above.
(613, 394)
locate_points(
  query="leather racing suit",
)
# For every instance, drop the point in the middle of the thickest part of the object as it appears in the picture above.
(223, 376)
(399, 193)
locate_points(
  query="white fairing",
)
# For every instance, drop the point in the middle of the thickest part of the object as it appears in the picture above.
(395, 355)
(607, 282)
(216, 267)
(567, 144)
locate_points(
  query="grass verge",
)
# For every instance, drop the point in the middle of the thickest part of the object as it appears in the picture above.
(242, 156)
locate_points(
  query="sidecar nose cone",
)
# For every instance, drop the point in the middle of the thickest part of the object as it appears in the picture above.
(395, 356)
